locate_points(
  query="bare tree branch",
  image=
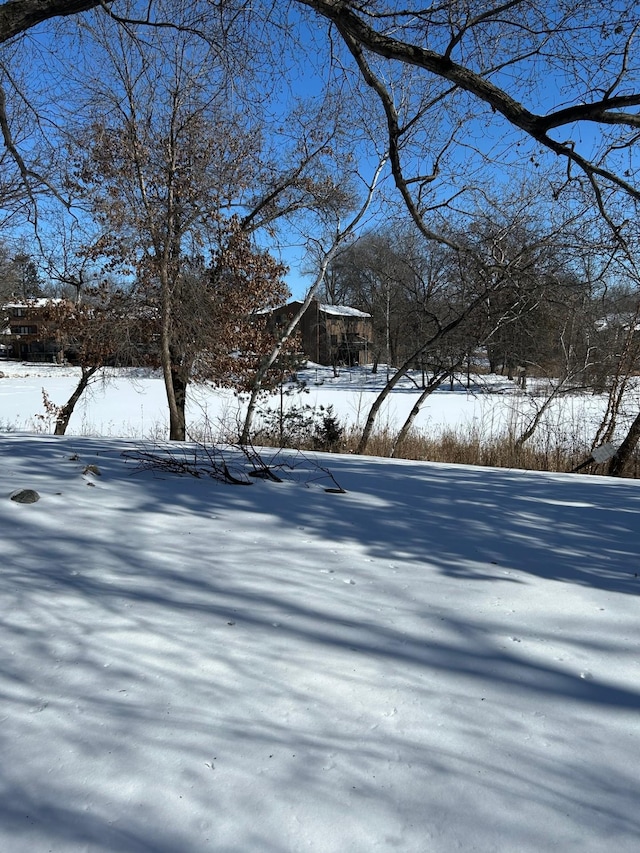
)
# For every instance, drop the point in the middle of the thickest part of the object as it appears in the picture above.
(359, 34)
(18, 16)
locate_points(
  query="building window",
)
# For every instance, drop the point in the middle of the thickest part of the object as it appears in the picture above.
(17, 312)
(24, 330)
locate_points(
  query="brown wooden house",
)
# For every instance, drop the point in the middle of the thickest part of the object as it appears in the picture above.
(331, 334)
(23, 332)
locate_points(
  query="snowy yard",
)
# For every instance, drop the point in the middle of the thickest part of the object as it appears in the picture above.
(442, 658)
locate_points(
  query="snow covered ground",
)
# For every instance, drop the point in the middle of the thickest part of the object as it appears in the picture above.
(442, 658)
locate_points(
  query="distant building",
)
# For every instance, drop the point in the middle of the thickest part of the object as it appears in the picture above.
(331, 334)
(24, 335)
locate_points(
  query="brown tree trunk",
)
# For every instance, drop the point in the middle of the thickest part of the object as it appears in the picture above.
(172, 372)
(415, 411)
(64, 416)
(620, 462)
(177, 417)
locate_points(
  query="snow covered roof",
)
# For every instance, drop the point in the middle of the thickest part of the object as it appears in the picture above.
(342, 311)
(33, 303)
(333, 310)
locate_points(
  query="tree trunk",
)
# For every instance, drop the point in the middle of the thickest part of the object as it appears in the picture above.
(172, 371)
(404, 431)
(64, 415)
(377, 405)
(177, 417)
(509, 370)
(620, 462)
(526, 434)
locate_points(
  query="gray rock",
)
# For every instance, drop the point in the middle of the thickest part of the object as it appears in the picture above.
(25, 496)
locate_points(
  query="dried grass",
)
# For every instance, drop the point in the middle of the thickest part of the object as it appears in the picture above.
(476, 448)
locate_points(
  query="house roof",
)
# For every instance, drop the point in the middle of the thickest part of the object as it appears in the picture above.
(325, 308)
(32, 303)
(342, 311)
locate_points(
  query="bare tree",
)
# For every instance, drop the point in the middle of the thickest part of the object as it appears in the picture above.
(375, 275)
(490, 65)
(19, 274)
(179, 180)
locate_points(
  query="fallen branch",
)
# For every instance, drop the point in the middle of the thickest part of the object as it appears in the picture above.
(200, 460)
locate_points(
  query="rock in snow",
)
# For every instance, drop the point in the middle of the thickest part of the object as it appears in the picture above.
(25, 496)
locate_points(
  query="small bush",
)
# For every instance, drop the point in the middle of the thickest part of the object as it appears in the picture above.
(328, 431)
